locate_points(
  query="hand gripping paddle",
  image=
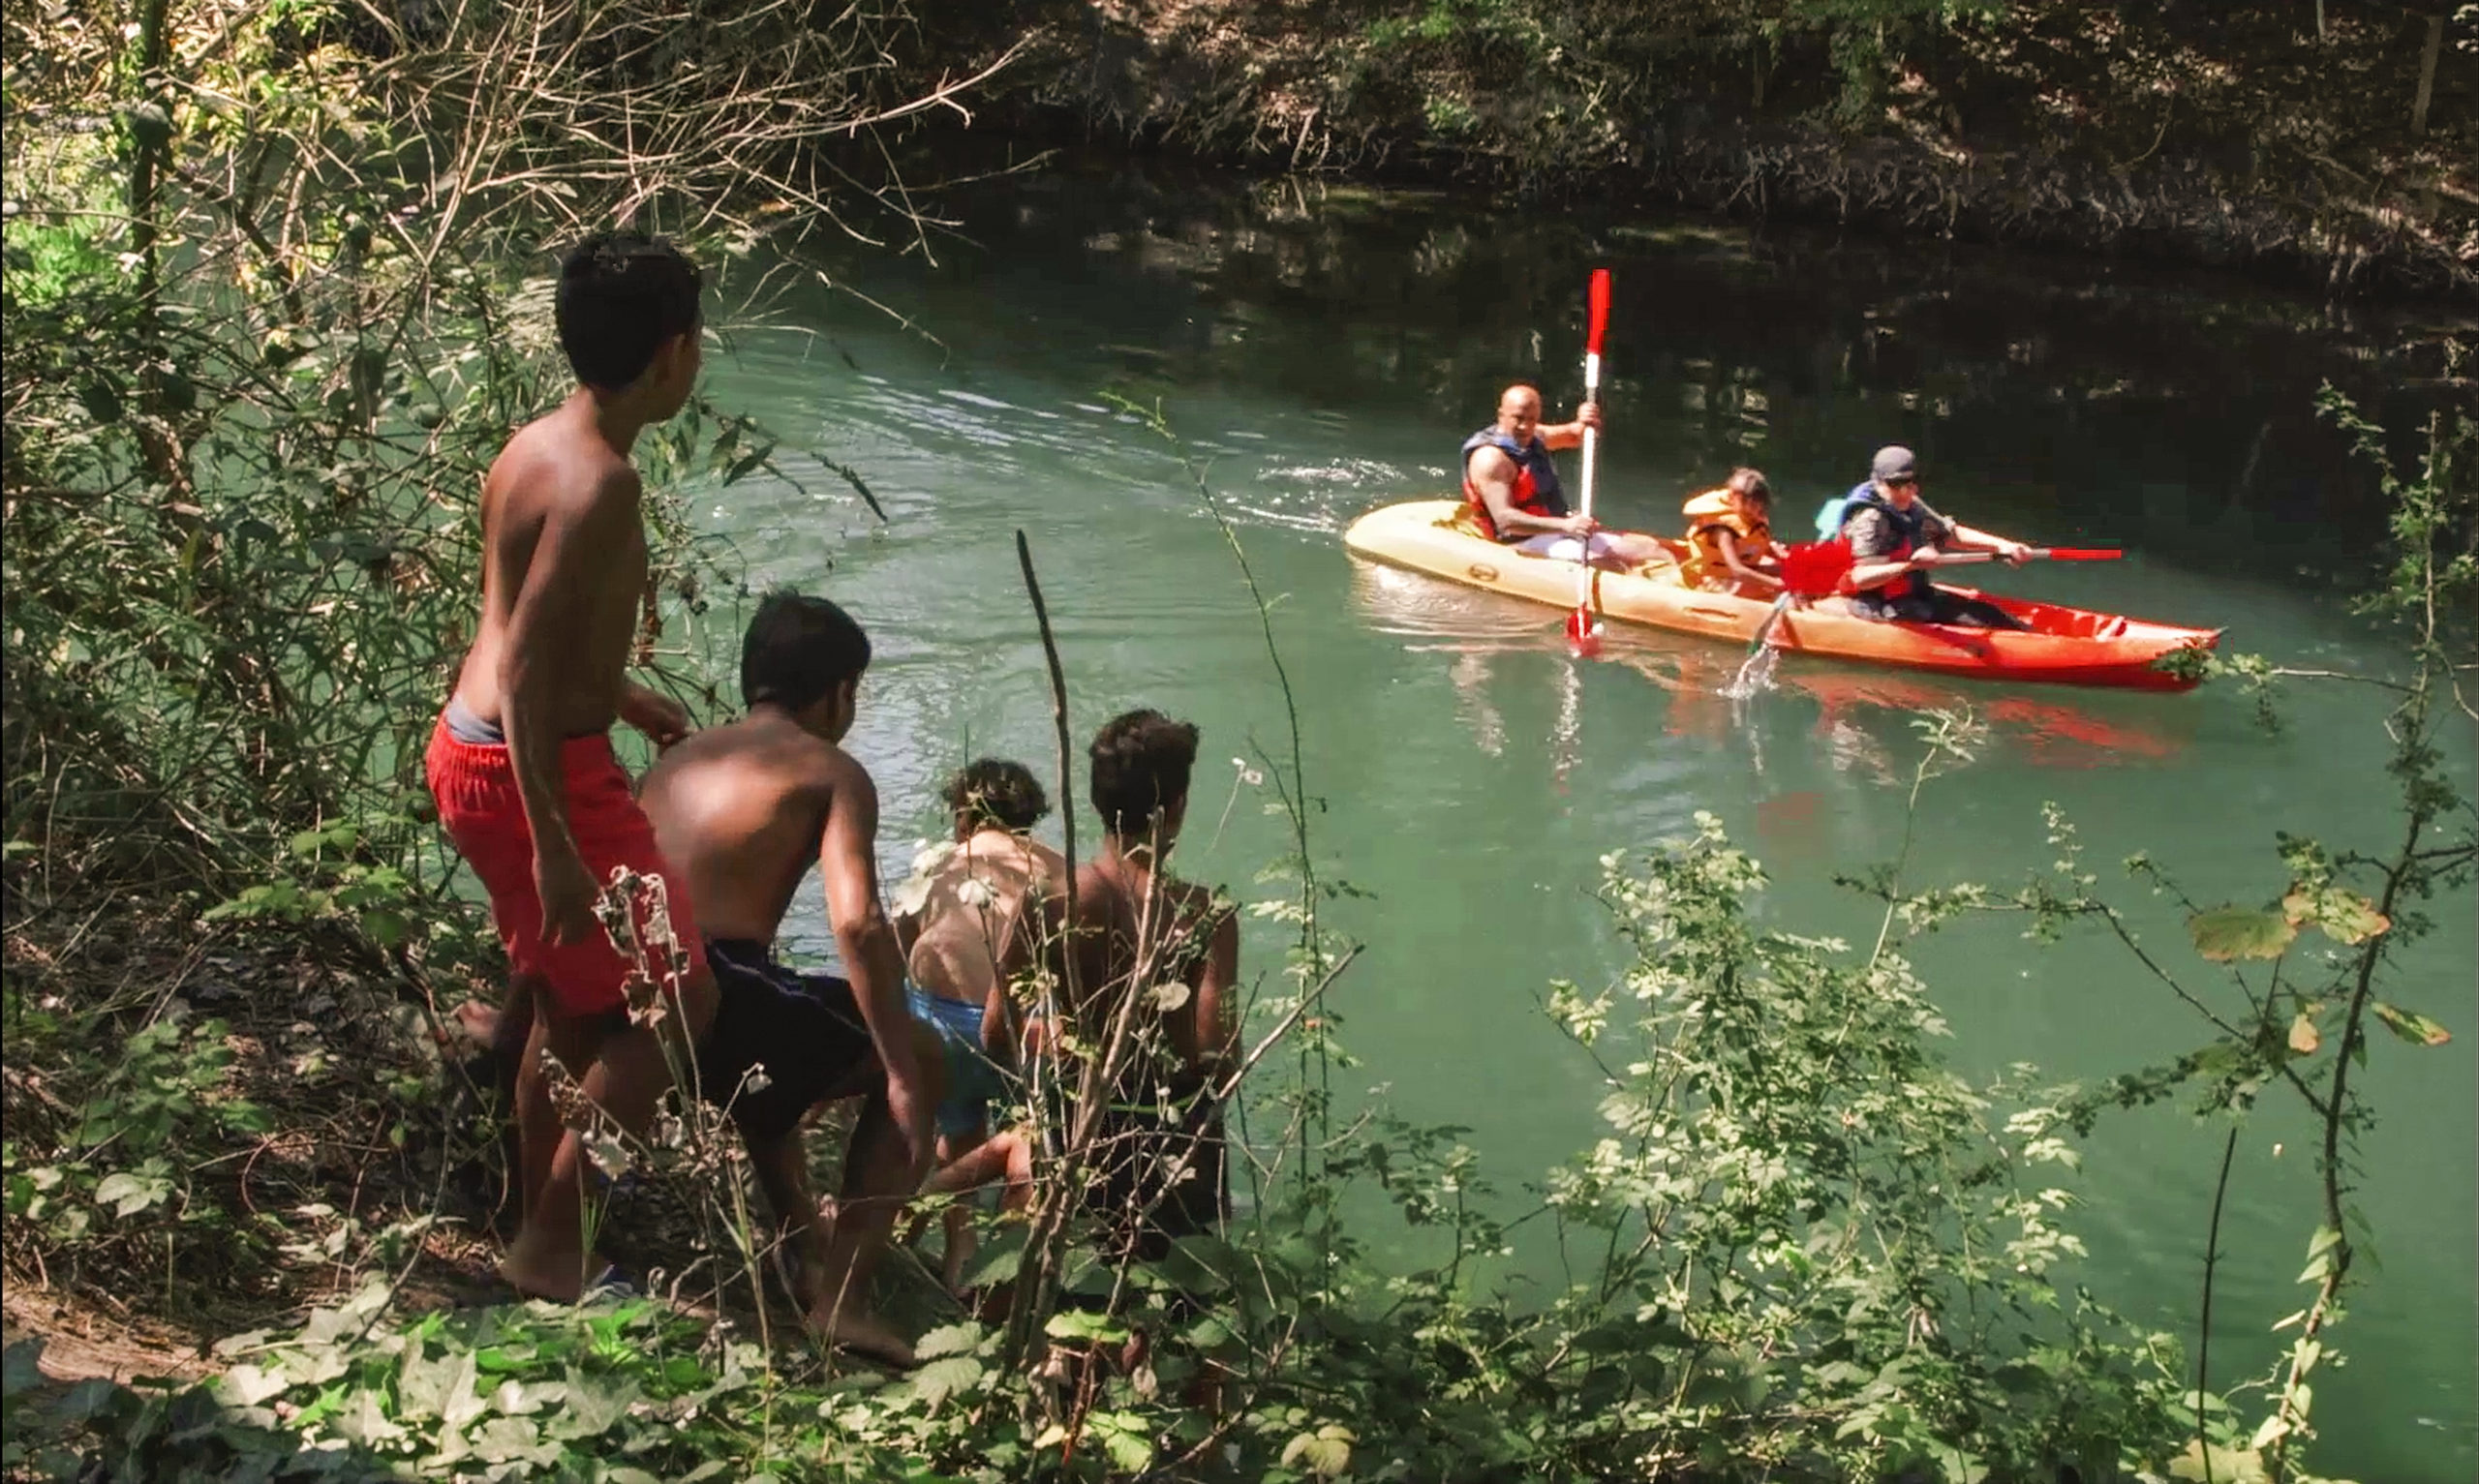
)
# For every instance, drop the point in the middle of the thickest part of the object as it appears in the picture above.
(1583, 628)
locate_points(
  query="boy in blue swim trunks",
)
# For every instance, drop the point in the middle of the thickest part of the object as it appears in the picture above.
(951, 947)
(740, 811)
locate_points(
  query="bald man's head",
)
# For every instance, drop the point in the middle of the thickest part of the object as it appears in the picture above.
(1520, 412)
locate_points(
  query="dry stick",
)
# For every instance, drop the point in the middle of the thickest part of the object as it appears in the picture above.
(2203, 1345)
(1048, 1210)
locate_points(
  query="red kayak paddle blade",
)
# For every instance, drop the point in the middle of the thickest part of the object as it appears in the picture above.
(1814, 568)
(1584, 634)
(1598, 297)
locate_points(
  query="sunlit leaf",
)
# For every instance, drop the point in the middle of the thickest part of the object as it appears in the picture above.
(1326, 1453)
(2345, 916)
(2304, 1036)
(2224, 1466)
(2410, 1025)
(2226, 934)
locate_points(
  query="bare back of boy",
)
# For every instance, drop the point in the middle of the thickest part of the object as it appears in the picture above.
(741, 811)
(1161, 1161)
(1131, 925)
(951, 944)
(560, 492)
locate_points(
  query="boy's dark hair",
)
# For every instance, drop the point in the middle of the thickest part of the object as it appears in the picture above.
(622, 295)
(1750, 483)
(994, 791)
(799, 648)
(1141, 762)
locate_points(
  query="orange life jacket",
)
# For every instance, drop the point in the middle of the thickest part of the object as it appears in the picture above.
(1708, 514)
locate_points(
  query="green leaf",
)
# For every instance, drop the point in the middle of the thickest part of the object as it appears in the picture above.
(952, 1340)
(248, 1385)
(21, 1367)
(996, 1262)
(1326, 1453)
(1078, 1325)
(386, 927)
(2411, 1026)
(130, 1191)
(2226, 934)
(941, 1380)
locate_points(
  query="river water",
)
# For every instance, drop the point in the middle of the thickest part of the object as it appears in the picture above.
(1320, 352)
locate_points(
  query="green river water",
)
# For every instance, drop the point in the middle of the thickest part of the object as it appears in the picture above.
(1327, 350)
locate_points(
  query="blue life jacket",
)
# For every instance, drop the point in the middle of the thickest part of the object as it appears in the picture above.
(1910, 530)
(1536, 490)
(1841, 508)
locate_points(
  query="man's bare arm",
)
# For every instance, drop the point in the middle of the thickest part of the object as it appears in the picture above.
(847, 858)
(1557, 437)
(1493, 473)
(553, 604)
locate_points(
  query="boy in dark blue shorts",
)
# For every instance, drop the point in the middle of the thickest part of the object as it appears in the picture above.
(740, 811)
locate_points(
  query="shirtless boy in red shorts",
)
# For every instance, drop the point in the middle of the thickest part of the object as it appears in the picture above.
(521, 762)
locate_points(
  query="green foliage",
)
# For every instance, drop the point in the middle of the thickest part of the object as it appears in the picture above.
(150, 1101)
(1836, 1252)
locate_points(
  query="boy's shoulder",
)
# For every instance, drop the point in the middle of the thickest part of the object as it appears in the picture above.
(554, 458)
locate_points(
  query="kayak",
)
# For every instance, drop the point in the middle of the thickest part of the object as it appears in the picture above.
(2065, 646)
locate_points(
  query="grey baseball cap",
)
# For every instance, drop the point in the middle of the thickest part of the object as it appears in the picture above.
(1894, 461)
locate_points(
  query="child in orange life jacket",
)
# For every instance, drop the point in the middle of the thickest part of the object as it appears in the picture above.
(1729, 536)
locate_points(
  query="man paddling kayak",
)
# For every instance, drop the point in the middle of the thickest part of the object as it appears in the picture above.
(1512, 490)
(1894, 534)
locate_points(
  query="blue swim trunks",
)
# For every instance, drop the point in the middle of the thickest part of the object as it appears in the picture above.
(973, 1079)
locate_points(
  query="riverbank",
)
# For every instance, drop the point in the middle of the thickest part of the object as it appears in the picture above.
(2231, 137)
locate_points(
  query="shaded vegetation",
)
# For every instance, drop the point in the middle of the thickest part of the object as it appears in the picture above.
(2285, 137)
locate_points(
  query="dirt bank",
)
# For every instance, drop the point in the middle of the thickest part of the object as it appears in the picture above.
(2229, 135)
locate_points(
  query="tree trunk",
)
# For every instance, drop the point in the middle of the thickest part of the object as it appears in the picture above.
(2427, 76)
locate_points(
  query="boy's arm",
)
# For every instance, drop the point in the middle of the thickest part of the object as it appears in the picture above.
(1025, 946)
(1971, 540)
(574, 547)
(847, 858)
(662, 719)
(1217, 1021)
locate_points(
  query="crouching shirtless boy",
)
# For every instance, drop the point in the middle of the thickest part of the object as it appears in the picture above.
(739, 810)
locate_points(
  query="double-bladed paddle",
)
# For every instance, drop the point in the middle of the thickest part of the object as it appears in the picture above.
(1583, 628)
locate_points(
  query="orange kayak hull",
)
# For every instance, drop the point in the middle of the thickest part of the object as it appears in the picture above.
(2062, 645)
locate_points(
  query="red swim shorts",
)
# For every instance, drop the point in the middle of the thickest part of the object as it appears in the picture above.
(485, 816)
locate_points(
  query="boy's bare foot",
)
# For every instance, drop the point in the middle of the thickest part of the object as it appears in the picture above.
(862, 1333)
(535, 1271)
